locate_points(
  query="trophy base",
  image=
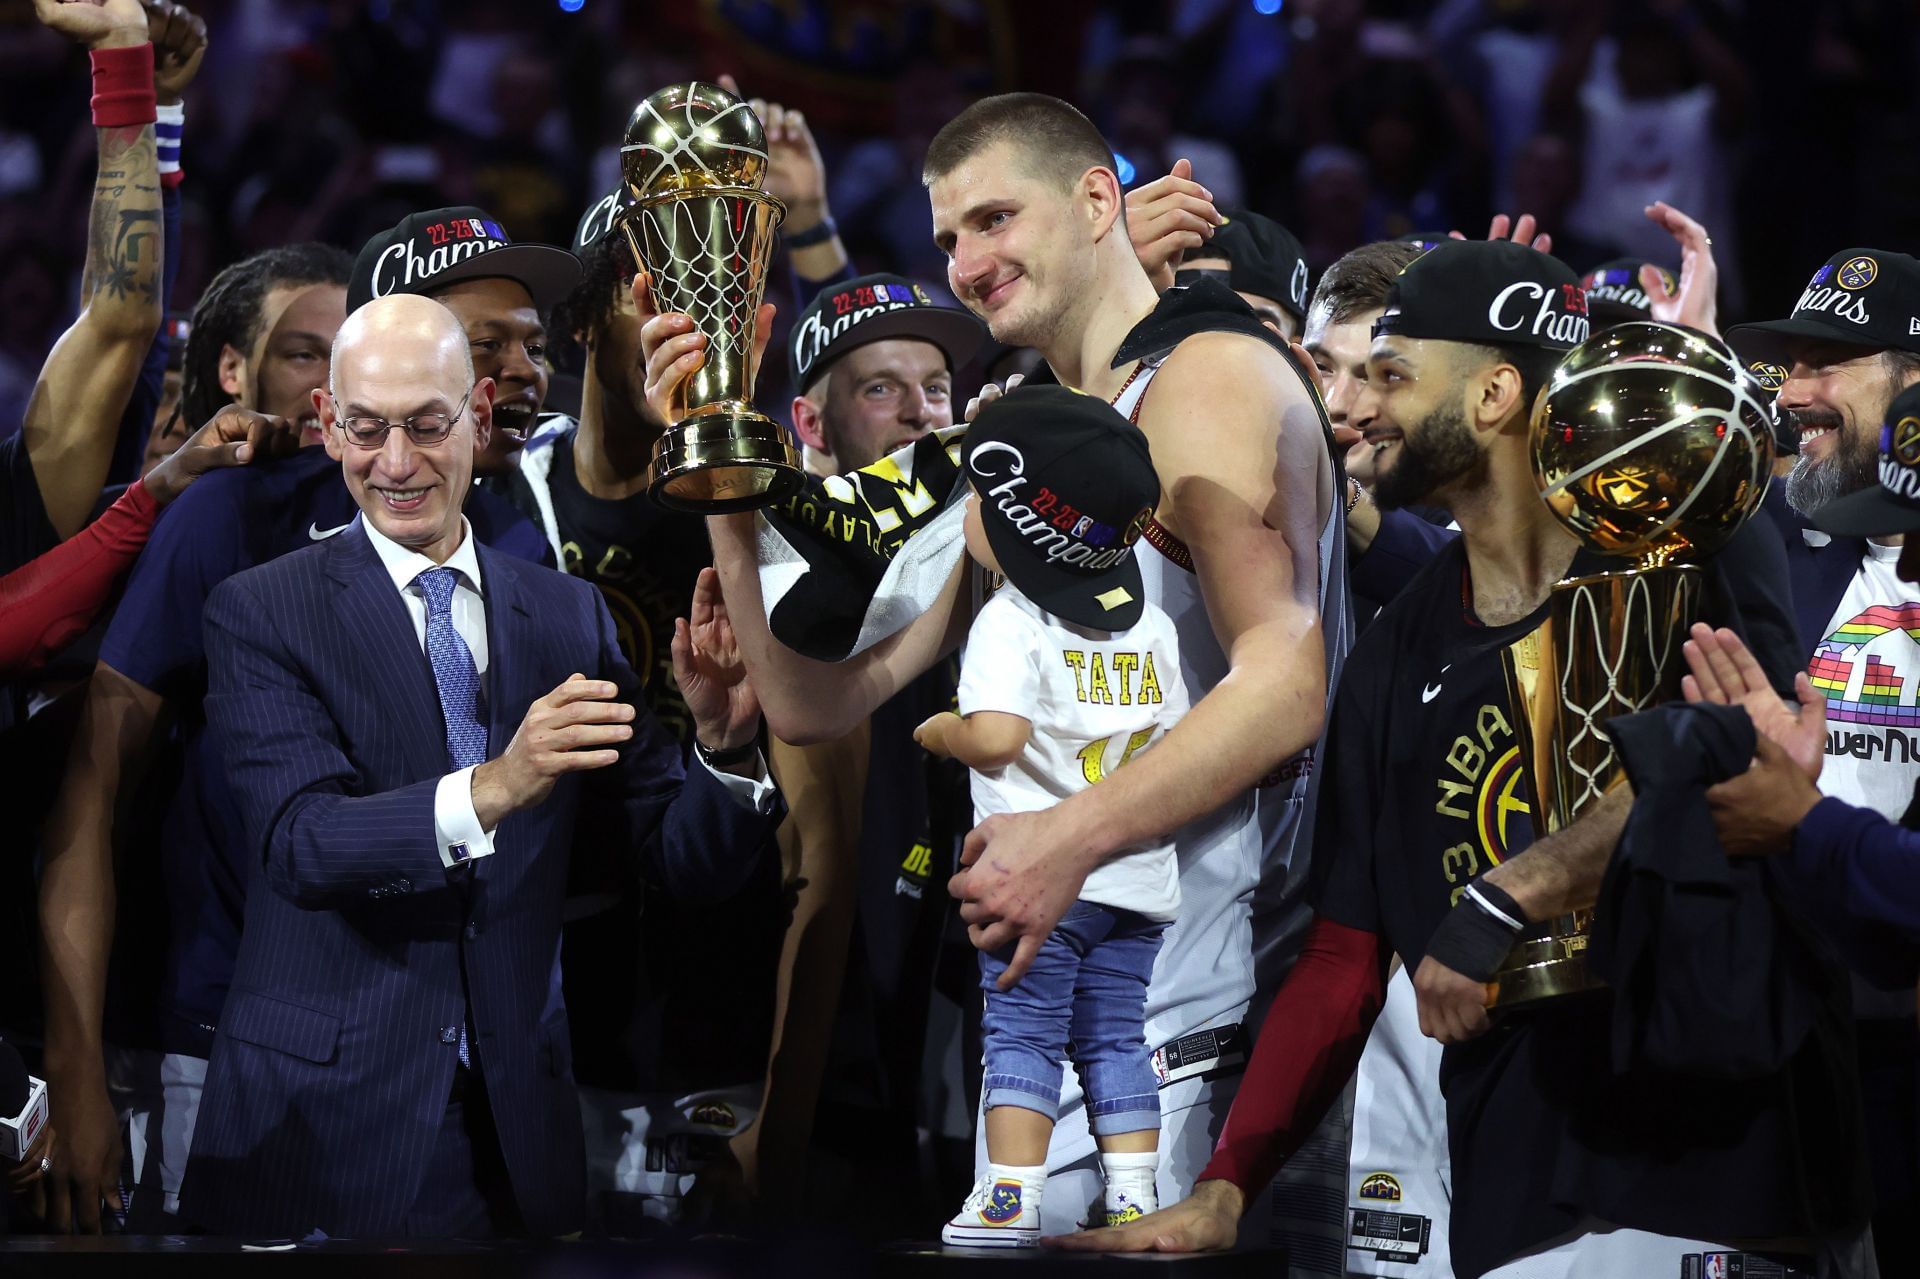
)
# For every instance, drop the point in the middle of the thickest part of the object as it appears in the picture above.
(725, 458)
(1551, 966)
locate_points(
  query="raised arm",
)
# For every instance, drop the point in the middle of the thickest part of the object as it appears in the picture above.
(1246, 479)
(73, 415)
(806, 700)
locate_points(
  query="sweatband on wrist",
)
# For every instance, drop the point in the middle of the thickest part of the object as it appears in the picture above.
(819, 233)
(169, 120)
(122, 86)
(1477, 934)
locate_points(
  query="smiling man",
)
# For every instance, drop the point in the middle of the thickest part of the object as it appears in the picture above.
(419, 731)
(1247, 557)
(499, 290)
(1851, 345)
(1561, 1163)
(262, 337)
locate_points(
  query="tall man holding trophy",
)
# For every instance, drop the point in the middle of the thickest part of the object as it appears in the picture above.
(1573, 1155)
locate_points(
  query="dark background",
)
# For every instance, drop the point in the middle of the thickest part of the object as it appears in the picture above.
(1787, 127)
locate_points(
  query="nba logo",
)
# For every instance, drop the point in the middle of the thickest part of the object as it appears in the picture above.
(880, 293)
(1716, 1265)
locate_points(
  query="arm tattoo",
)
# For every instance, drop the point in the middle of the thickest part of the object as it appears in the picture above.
(123, 237)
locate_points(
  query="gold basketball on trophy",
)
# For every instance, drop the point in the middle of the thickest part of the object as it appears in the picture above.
(1651, 443)
(693, 160)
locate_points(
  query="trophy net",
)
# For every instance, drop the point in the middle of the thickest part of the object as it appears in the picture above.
(706, 254)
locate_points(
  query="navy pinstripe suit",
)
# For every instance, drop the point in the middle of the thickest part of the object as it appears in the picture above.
(335, 1054)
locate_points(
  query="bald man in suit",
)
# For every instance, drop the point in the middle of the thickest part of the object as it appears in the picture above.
(421, 732)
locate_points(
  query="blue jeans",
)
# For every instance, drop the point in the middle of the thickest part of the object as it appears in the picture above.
(1085, 997)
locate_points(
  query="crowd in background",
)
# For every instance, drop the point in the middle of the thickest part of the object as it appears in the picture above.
(331, 123)
(1348, 122)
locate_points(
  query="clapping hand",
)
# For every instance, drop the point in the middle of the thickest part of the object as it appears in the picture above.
(711, 673)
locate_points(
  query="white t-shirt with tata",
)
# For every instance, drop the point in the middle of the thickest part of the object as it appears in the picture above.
(1868, 667)
(1095, 699)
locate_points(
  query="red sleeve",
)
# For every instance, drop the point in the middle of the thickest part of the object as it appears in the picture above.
(1308, 1048)
(47, 603)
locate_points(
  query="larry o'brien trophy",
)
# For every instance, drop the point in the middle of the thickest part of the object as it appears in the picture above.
(1651, 443)
(693, 161)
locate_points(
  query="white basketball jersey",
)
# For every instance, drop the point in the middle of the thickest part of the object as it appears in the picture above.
(1240, 853)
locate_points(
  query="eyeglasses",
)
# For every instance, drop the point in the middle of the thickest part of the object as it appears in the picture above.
(421, 428)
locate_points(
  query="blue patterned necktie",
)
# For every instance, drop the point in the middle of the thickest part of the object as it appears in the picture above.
(454, 673)
(458, 682)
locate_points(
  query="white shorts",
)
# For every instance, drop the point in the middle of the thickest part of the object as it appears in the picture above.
(1400, 1180)
(1603, 1251)
(157, 1097)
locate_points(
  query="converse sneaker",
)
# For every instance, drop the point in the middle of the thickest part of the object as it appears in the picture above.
(1124, 1205)
(1002, 1212)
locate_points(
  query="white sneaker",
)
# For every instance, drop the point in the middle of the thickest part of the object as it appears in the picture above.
(1000, 1213)
(1124, 1206)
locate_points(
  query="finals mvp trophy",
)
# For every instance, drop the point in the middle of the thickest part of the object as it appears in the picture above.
(1651, 443)
(693, 161)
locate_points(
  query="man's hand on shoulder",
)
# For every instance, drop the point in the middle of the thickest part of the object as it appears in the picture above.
(232, 437)
(574, 728)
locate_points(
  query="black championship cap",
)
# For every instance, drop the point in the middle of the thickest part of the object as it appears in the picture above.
(428, 251)
(1863, 297)
(1263, 258)
(1066, 488)
(1494, 292)
(597, 223)
(1614, 292)
(1893, 505)
(872, 308)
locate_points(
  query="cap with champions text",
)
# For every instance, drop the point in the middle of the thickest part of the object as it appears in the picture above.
(872, 308)
(426, 252)
(1263, 258)
(1494, 292)
(1861, 297)
(1066, 488)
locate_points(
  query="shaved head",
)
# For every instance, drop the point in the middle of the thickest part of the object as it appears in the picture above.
(402, 371)
(401, 335)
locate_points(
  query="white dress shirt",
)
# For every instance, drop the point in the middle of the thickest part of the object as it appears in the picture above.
(457, 826)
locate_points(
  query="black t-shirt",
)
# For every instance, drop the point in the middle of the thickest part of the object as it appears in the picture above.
(644, 558)
(25, 531)
(1424, 788)
(1423, 791)
(683, 999)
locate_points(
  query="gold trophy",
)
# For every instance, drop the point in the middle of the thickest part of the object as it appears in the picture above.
(693, 161)
(1651, 443)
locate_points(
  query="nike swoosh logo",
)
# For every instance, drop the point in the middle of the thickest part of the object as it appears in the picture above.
(319, 534)
(1431, 691)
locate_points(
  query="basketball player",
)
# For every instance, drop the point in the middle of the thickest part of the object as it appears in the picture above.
(1561, 1167)
(1247, 560)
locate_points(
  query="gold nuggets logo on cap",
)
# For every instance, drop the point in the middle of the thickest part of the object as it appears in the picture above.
(1904, 442)
(1771, 377)
(1381, 1185)
(1137, 526)
(1857, 273)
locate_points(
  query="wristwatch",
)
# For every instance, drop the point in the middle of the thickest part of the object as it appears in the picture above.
(727, 761)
